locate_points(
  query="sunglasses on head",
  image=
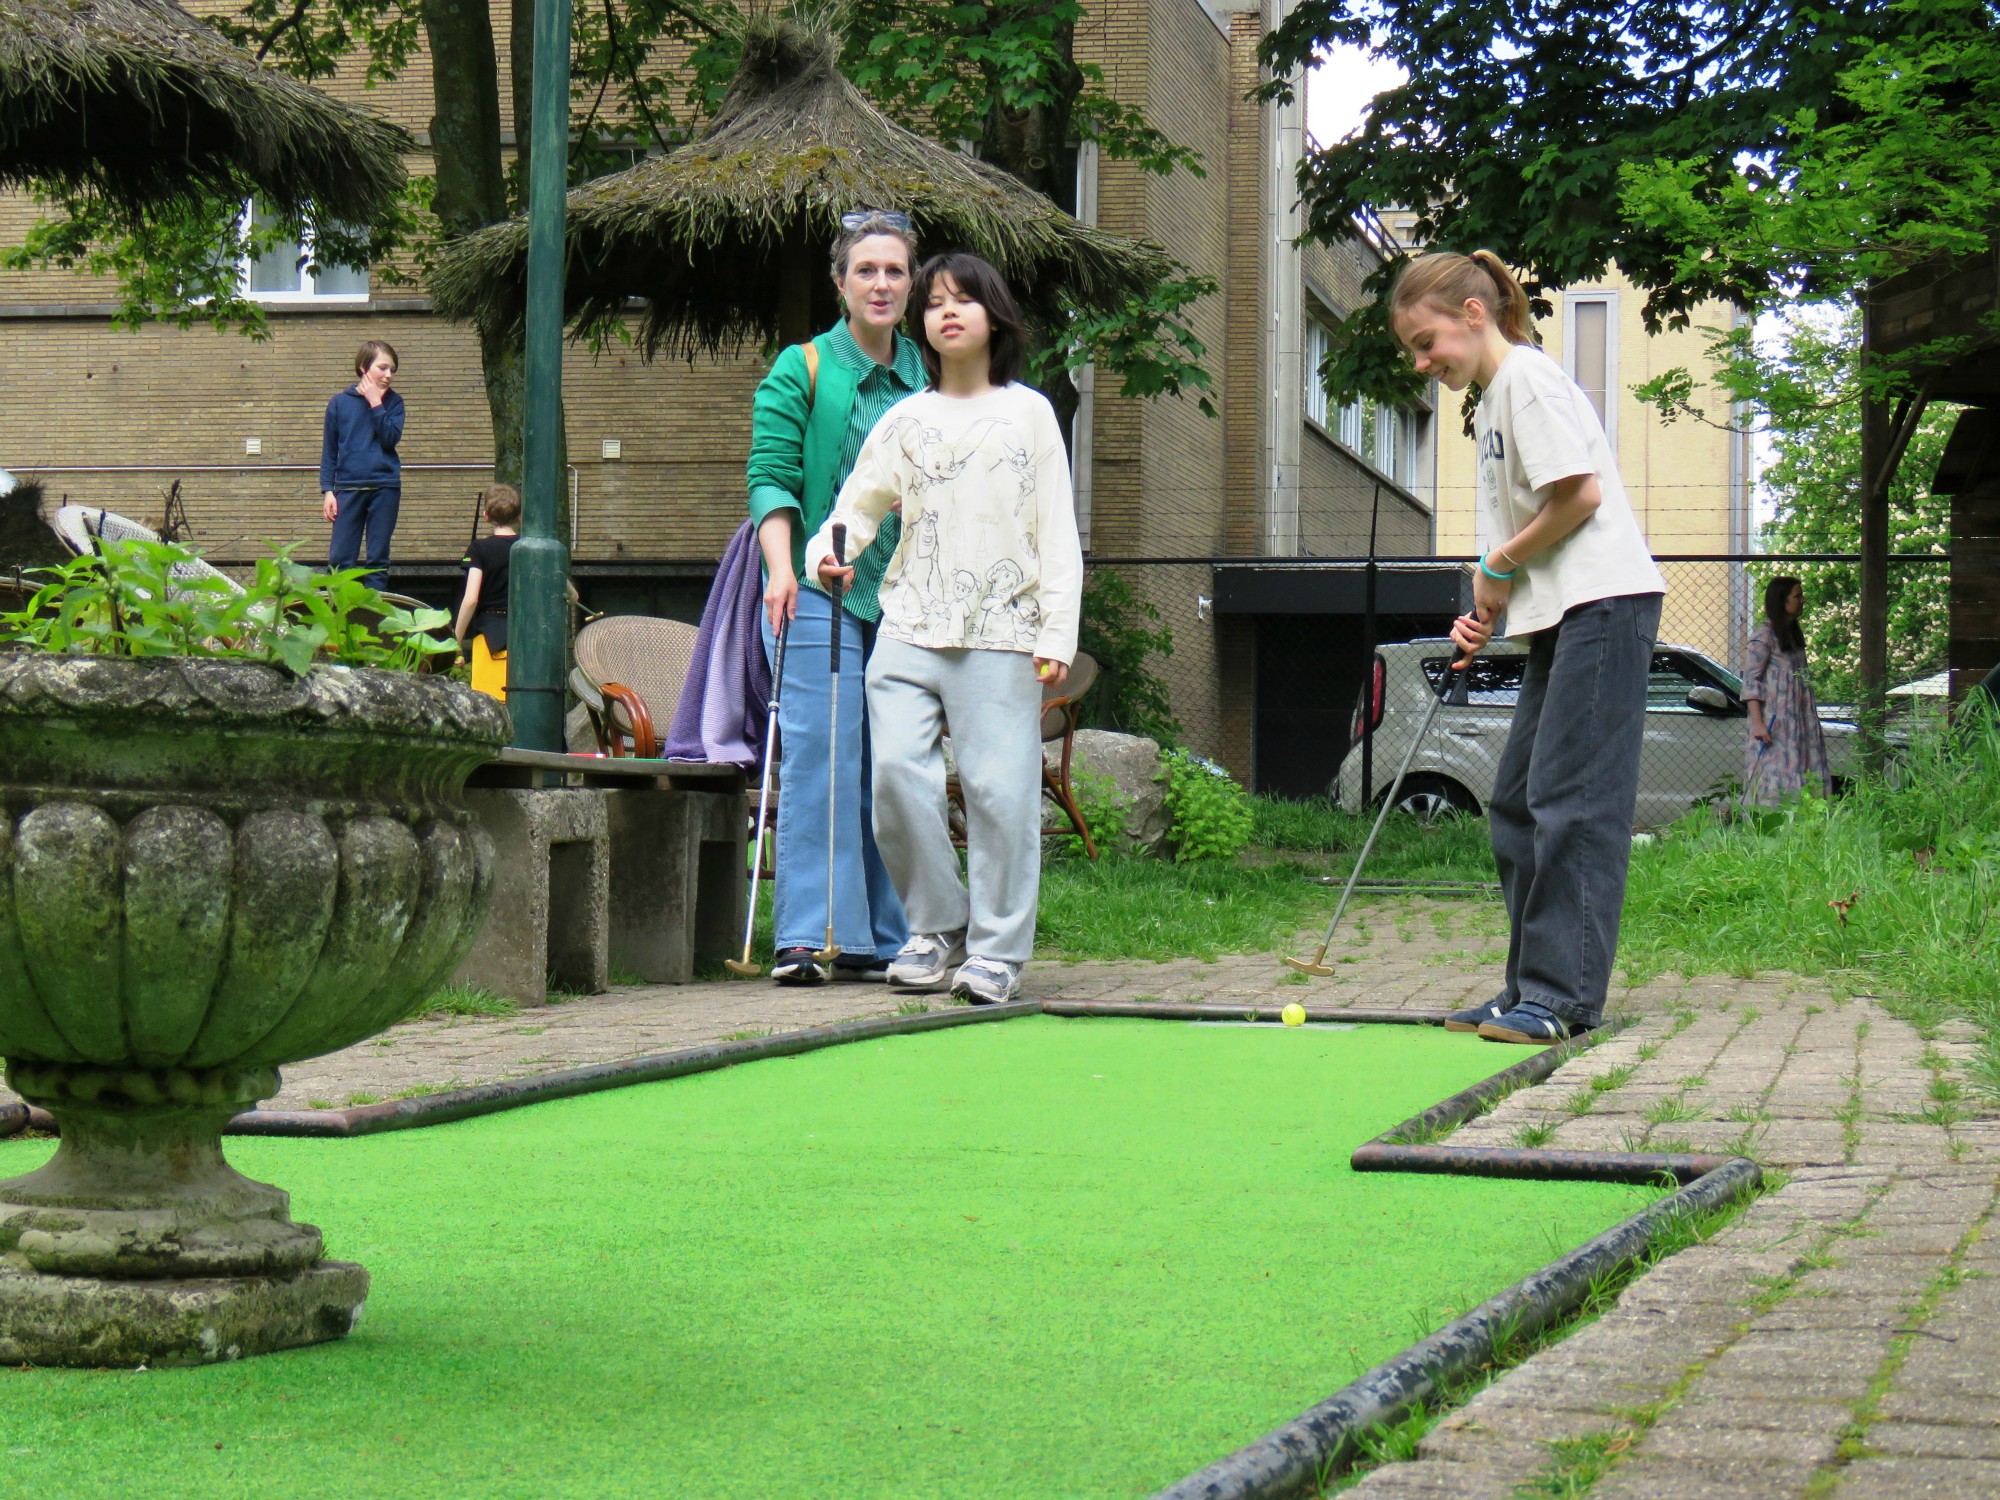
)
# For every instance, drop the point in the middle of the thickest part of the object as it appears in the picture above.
(860, 216)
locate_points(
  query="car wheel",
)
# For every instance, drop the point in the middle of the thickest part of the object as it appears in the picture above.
(1434, 797)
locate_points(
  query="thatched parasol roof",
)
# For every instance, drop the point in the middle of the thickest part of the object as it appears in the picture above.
(140, 102)
(712, 235)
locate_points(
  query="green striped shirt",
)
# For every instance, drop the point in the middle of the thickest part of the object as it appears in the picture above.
(876, 389)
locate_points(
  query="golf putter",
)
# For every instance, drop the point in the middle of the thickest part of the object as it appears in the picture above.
(743, 965)
(1318, 964)
(831, 951)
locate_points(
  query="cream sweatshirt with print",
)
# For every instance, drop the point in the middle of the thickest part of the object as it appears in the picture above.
(989, 558)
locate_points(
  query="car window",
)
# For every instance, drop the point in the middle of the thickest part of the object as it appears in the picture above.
(1668, 683)
(1490, 682)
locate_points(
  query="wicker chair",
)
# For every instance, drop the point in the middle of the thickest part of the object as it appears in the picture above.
(81, 527)
(629, 671)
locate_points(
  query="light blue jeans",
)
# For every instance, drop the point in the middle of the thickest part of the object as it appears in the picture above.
(867, 917)
(991, 705)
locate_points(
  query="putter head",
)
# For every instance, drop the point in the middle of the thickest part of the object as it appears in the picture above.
(1307, 966)
(828, 954)
(742, 966)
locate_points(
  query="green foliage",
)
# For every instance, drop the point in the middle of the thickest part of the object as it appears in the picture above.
(1121, 629)
(1887, 164)
(128, 602)
(945, 69)
(1751, 155)
(1208, 814)
(1147, 343)
(1104, 810)
(1895, 886)
(1812, 481)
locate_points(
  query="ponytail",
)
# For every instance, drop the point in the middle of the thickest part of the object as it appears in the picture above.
(1449, 281)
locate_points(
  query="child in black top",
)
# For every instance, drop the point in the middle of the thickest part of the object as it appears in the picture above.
(484, 608)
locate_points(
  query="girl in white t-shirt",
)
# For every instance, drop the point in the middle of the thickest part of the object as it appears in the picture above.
(979, 612)
(1571, 576)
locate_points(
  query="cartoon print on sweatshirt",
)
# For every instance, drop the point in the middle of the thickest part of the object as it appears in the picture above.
(1004, 619)
(937, 462)
(926, 571)
(1022, 462)
(964, 589)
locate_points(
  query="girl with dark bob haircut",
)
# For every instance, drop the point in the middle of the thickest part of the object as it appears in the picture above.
(979, 282)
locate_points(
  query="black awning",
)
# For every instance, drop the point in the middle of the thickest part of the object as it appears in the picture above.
(1340, 588)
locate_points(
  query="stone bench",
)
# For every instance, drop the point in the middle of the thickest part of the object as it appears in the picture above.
(606, 864)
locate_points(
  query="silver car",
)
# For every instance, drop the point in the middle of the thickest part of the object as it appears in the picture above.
(1695, 730)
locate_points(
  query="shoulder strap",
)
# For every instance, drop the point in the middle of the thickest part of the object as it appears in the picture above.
(811, 351)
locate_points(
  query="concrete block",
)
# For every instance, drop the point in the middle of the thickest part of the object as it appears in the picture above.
(678, 873)
(550, 921)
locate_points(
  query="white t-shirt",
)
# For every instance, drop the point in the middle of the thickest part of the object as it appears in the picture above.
(989, 558)
(1535, 426)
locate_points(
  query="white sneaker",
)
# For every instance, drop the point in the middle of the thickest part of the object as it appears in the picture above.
(926, 958)
(987, 981)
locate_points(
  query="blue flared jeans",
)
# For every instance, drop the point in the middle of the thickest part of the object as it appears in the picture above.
(867, 916)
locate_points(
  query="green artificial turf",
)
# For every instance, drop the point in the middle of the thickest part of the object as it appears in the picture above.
(1037, 1258)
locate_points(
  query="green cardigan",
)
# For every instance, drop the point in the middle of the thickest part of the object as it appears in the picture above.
(795, 453)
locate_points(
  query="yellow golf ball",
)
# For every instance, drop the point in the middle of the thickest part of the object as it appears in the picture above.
(1293, 1014)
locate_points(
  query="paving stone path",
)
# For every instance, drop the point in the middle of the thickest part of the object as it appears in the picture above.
(1839, 1341)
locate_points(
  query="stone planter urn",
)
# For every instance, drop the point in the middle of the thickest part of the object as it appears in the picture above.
(207, 869)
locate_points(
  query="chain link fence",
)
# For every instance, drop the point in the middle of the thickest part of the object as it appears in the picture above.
(1261, 664)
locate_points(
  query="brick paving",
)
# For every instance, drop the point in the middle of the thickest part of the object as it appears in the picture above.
(1840, 1340)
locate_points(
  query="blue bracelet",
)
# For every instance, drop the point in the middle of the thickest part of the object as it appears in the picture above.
(1496, 577)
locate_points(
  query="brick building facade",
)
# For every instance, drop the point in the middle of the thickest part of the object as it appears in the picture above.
(110, 417)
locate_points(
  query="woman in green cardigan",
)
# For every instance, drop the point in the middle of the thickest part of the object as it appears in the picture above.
(812, 412)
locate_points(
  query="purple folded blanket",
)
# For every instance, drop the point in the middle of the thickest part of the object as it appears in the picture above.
(720, 718)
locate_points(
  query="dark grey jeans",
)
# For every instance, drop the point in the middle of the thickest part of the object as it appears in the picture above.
(1562, 802)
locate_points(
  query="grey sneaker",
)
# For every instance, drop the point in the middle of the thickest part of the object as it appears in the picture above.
(926, 958)
(987, 981)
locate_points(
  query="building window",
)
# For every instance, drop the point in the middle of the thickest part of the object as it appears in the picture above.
(285, 272)
(1318, 342)
(1357, 419)
(1590, 352)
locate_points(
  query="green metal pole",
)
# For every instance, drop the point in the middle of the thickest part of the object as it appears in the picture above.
(537, 595)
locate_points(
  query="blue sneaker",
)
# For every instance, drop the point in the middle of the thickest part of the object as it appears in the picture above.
(1475, 1016)
(1529, 1023)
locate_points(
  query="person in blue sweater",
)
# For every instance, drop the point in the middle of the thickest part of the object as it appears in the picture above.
(360, 477)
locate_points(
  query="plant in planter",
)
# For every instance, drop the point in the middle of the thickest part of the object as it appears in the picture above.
(230, 838)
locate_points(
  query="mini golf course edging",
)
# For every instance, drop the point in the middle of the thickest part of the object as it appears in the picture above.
(1291, 1459)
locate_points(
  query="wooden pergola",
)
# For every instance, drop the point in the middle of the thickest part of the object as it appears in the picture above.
(1953, 306)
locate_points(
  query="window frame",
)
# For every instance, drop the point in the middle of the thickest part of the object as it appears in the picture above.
(308, 295)
(1608, 299)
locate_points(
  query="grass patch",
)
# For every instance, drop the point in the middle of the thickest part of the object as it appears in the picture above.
(465, 1000)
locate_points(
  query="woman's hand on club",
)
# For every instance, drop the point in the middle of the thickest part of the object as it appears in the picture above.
(781, 600)
(833, 576)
